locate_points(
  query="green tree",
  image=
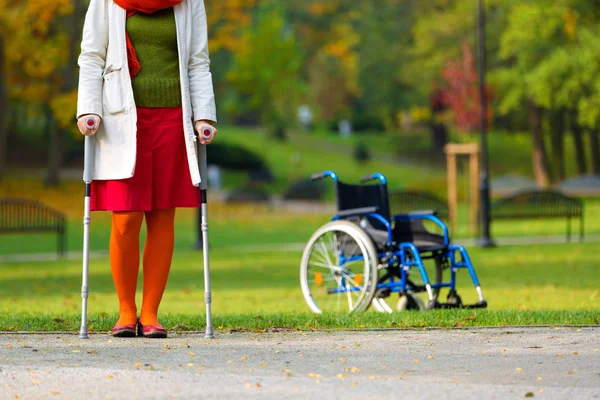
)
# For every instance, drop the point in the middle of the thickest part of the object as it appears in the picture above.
(265, 70)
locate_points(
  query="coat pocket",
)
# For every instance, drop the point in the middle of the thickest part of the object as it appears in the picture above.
(113, 90)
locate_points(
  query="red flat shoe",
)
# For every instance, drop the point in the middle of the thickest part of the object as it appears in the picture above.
(124, 330)
(151, 331)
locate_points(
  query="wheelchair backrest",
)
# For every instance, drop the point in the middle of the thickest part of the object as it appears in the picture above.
(357, 196)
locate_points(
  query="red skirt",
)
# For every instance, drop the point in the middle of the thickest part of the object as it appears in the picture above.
(162, 177)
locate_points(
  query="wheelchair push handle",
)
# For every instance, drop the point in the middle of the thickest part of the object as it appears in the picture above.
(317, 176)
(372, 177)
(324, 174)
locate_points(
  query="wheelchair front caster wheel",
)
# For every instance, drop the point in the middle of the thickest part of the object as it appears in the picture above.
(454, 300)
(410, 302)
(433, 304)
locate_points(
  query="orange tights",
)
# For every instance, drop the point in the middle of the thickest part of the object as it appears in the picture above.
(125, 261)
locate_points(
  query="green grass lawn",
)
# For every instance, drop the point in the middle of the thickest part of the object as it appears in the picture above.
(230, 226)
(523, 285)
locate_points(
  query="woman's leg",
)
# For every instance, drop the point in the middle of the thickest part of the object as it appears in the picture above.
(158, 253)
(125, 261)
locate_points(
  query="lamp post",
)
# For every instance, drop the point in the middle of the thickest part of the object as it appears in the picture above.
(485, 239)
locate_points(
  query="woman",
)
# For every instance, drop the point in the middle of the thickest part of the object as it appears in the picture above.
(145, 79)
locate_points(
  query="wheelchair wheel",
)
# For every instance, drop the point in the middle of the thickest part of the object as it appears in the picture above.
(339, 269)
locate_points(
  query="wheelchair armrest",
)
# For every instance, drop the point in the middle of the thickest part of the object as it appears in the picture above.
(419, 213)
(357, 211)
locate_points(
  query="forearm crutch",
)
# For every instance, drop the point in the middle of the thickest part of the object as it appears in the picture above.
(207, 134)
(88, 162)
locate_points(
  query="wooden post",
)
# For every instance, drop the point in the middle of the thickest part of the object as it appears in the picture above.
(452, 191)
(452, 152)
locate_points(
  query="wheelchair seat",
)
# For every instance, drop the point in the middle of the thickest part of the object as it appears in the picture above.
(356, 197)
(413, 232)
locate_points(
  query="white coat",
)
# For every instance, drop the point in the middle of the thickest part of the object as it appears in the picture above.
(105, 85)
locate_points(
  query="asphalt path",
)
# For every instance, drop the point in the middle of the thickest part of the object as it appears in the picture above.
(503, 363)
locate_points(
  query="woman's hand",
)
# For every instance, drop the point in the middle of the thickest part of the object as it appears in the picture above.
(85, 131)
(201, 125)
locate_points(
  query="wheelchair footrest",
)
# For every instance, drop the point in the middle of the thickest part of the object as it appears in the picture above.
(437, 305)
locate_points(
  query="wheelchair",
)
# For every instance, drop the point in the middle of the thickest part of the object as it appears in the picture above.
(364, 255)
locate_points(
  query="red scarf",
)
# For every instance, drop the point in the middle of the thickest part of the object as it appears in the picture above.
(146, 7)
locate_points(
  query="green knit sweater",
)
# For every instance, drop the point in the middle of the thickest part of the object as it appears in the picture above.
(154, 37)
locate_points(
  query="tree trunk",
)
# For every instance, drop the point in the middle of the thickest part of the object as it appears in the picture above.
(540, 159)
(3, 113)
(439, 137)
(579, 146)
(595, 145)
(557, 128)
(55, 149)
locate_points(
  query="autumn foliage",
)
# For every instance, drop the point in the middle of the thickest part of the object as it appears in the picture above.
(461, 93)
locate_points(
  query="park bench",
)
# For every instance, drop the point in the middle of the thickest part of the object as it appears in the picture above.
(19, 215)
(539, 204)
(407, 201)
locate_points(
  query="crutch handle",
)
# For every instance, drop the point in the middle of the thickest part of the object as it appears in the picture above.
(90, 123)
(207, 133)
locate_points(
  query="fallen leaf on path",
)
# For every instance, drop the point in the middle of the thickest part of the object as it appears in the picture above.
(354, 369)
(575, 353)
(54, 392)
(277, 351)
(75, 351)
(416, 361)
(341, 376)
(529, 394)
(109, 376)
(519, 369)
(244, 358)
(539, 378)
(192, 353)
(430, 357)
(542, 390)
(342, 360)
(137, 364)
(248, 386)
(91, 351)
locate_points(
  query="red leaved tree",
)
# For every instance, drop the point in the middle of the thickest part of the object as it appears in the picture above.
(461, 92)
